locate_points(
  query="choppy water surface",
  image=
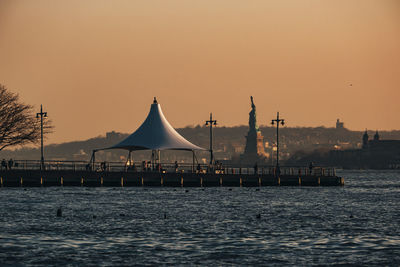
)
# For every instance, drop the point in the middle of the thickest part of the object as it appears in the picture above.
(354, 224)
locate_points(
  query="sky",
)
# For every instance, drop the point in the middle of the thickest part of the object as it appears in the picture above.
(96, 65)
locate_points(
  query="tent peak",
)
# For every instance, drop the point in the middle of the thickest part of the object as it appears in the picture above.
(156, 133)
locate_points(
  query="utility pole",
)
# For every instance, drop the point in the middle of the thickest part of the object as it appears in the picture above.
(282, 122)
(41, 115)
(211, 122)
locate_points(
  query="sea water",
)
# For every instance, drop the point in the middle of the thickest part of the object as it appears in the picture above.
(102, 226)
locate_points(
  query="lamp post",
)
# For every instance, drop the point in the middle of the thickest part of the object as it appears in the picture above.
(272, 154)
(282, 122)
(41, 115)
(211, 122)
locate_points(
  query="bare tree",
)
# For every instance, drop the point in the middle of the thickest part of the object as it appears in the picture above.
(18, 124)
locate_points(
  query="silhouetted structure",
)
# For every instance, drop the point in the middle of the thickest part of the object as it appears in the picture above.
(376, 145)
(41, 115)
(365, 139)
(374, 154)
(254, 150)
(339, 124)
(278, 122)
(211, 123)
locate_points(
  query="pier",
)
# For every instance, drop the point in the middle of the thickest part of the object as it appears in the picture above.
(75, 173)
(156, 134)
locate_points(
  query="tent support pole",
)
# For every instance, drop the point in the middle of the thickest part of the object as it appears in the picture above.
(93, 159)
(152, 160)
(159, 160)
(193, 161)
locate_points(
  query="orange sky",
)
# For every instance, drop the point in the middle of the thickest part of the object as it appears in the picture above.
(96, 65)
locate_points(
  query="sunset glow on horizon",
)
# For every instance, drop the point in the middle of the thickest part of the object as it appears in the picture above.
(96, 65)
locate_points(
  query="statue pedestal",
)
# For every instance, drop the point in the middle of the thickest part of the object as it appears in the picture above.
(254, 151)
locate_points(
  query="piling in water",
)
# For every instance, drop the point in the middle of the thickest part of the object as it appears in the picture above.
(59, 212)
(74, 178)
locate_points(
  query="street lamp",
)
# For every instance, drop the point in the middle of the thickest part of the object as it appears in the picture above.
(210, 123)
(41, 115)
(282, 122)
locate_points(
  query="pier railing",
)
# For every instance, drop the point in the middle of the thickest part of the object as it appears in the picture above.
(55, 165)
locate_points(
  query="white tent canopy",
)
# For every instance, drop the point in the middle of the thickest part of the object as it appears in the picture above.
(156, 133)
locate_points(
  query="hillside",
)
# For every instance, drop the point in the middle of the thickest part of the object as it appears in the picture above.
(228, 142)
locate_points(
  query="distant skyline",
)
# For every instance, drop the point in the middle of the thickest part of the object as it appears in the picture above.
(96, 65)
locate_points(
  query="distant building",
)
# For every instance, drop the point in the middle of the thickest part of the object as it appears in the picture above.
(375, 145)
(339, 124)
(365, 140)
(374, 154)
(113, 137)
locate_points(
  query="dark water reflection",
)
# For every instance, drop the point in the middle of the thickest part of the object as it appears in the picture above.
(355, 224)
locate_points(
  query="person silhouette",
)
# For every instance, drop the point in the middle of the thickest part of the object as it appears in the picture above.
(4, 164)
(198, 168)
(10, 164)
(255, 168)
(176, 166)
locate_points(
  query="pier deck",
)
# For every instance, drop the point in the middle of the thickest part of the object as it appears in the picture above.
(80, 173)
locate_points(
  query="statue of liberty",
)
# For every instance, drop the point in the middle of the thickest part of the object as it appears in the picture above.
(254, 150)
(253, 117)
